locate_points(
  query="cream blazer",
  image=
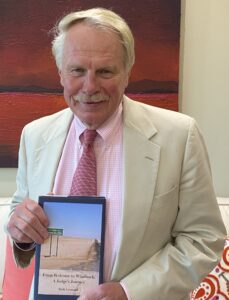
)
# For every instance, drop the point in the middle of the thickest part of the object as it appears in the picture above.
(171, 233)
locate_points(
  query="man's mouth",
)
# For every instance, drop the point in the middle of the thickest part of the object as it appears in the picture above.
(91, 103)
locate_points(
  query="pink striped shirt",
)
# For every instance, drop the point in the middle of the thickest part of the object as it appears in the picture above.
(108, 147)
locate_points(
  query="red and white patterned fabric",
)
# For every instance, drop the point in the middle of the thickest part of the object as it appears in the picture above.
(84, 181)
(215, 286)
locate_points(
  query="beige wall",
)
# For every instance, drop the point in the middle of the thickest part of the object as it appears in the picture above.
(204, 84)
(7, 181)
(204, 89)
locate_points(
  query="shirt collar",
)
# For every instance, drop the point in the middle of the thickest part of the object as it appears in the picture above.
(107, 130)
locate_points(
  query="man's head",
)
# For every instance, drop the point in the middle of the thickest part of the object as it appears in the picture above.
(94, 52)
(103, 19)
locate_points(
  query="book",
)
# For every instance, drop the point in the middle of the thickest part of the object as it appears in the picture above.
(71, 260)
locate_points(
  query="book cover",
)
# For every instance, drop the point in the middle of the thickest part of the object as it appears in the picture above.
(71, 259)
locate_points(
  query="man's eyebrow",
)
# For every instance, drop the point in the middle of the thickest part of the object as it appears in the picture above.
(74, 66)
(110, 67)
(81, 66)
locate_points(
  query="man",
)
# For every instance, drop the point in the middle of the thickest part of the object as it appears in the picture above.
(164, 232)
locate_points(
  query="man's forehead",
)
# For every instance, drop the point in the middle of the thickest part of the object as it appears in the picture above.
(97, 61)
(87, 41)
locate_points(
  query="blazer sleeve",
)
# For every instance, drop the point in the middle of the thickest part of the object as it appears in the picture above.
(198, 234)
(22, 258)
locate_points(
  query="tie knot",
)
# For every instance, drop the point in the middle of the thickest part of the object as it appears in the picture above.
(89, 137)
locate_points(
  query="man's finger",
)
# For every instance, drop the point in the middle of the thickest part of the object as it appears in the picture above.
(37, 210)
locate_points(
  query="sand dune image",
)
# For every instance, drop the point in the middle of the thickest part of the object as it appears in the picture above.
(70, 253)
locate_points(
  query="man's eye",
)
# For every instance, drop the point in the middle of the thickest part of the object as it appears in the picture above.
(77, 71)
(105, 73)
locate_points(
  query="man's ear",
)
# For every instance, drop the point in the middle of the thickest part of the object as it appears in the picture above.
(127, 79)
(61, 78)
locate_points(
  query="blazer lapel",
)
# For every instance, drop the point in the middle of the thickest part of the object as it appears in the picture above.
(47, 156)
(141, 161)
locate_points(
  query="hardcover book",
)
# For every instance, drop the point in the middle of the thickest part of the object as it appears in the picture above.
(71, 260)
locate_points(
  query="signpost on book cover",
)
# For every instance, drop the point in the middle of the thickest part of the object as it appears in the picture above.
(54, 240)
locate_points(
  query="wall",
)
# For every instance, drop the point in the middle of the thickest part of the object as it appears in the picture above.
(204, 80)
(7, 181)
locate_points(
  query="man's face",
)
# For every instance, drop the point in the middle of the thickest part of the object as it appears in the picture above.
(92, 69)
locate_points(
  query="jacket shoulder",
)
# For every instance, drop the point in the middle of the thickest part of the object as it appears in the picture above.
(160, 118)
(42, 124)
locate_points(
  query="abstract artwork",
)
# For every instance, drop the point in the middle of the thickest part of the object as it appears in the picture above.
(29, 82)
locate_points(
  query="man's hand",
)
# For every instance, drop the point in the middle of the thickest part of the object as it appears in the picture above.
(28, 223)
(106, 291)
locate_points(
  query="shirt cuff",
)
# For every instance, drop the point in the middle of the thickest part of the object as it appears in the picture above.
(25, 246)
(125, 290)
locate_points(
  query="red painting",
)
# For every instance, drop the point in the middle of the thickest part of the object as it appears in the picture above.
(29, 82)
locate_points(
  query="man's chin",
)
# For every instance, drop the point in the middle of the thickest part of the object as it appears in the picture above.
(90, 119)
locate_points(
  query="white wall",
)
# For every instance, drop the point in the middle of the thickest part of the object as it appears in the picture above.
(204, 84)
(7, 181)
(204, 80)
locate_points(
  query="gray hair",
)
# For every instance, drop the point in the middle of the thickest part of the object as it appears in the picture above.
(101, 18)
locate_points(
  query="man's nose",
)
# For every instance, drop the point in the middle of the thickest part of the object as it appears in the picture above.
(91, 84)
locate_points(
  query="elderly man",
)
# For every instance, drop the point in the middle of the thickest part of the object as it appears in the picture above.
(164, 232)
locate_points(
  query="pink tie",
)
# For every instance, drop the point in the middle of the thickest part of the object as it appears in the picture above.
(84, 181)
